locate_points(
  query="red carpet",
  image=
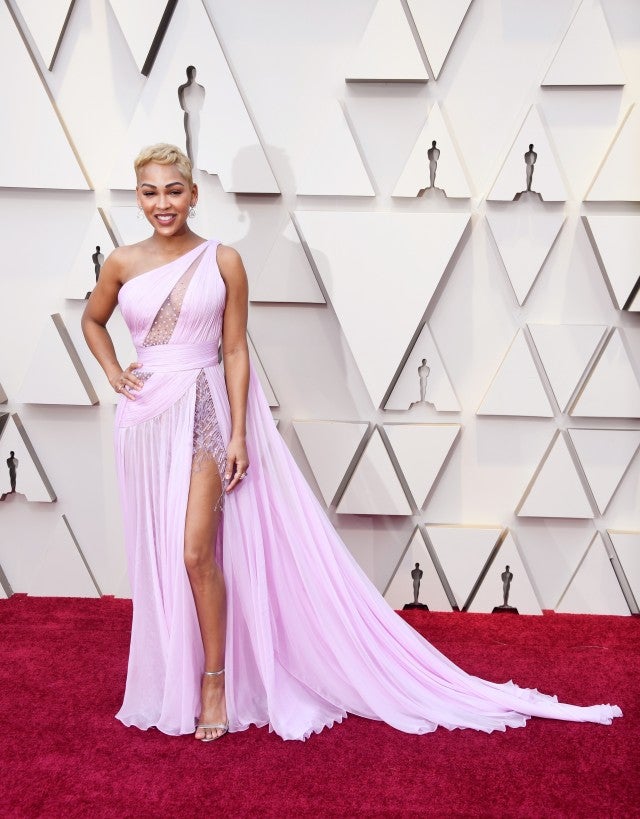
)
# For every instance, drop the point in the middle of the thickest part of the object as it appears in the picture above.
(62, 667)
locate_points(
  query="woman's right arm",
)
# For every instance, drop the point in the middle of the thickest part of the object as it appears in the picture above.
(102, 302)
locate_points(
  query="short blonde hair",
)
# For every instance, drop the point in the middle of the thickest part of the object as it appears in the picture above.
(165, 154)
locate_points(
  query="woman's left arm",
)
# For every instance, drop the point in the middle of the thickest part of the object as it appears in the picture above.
(235, 354)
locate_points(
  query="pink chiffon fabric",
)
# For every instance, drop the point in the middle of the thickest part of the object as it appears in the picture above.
(309, 638)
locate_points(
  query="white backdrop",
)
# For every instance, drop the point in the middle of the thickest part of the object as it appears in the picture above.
(513, 485)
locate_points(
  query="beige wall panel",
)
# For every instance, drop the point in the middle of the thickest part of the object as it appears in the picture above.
(329, 447)
(586, 55)
(387, 51)
(594, 589)
(463, 552)
(400, 588)
(522, 595)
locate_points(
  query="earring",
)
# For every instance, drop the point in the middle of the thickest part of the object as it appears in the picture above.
(192, 212)
(140, 213)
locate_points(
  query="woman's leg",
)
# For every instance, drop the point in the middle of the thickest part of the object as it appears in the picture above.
(207, 584)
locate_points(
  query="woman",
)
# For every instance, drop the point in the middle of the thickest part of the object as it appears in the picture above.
(290, 632)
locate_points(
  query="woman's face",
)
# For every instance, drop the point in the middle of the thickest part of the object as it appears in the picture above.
(165, 198)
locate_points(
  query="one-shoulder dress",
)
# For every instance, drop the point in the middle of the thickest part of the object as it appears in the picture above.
(309, 638)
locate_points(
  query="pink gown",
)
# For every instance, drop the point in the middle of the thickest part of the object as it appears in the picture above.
(309, 638)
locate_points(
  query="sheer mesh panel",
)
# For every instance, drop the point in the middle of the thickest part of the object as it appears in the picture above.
(207, 439)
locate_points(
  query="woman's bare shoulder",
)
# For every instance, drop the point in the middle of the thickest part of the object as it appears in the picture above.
(229, 263)
(122, 260)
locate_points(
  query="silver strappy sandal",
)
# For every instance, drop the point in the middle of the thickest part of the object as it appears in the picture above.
(220, 726)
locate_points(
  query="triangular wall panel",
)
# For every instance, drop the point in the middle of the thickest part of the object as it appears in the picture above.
(547, 181)
(97, 243)
(618, 178)
(287, 275)
(329, 447)
(421, 450)
(143, 24)
(616, 240)
(524, 234)
(521, 594)
(556, 491)
(374, 488)
(47, 22)
(388, 50)
(605, 455)
(233, 152)
(333, 166)
(62, 570)
(262, 374)
(586, 55)
(449, 173)
(355, 254)
(31, 480)
(437, 24)
(438, 389)
(56, 374)
(399, 591)
(627, 547)
(463, 552)
(35, 150)
(516, 388)
(3, 395)
(594, 589)
(612, 389)
(566, 351)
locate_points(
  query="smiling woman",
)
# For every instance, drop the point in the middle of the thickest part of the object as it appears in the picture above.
(253, 605)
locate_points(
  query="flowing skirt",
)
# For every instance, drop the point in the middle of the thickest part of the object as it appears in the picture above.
(309, 638)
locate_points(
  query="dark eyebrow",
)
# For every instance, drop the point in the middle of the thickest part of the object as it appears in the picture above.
(170, 185)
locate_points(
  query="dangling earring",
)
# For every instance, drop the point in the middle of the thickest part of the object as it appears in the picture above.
(140, 213)
(192, 212)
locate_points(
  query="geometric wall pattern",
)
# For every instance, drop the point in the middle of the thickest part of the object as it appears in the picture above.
(449, 176)
(399, 589)
(97, 243)
(25, 477)
(56, 374)
(387, 51)
(463, 553)
(354, 254)
(586, 55)
(618, 177)
(437, 24)
(334, 166)
(143, 25)
(566, 351)
(594, 589)
(616, 240)
(524, 235)
(287, 275)
(605, 456)
(438, 390)
(546, 181)
(521, 596)
(627, 548)
(47, 23)
(233, 152)
(516, 388)
(35, 150)
(556, 490)
(612, 389)
(373, 310)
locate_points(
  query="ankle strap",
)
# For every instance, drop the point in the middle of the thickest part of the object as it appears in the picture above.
(213, 673)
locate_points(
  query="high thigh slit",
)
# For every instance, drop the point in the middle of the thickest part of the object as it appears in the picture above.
(308, 637)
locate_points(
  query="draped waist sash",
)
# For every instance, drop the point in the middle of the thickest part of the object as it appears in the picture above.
(171, 358)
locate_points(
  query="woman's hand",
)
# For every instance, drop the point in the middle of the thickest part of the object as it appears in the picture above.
(125, 382)
(237, 462)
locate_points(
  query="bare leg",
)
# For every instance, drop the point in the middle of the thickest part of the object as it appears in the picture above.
(207, 584)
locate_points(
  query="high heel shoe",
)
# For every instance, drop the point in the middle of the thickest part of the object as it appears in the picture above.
(220, 726)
